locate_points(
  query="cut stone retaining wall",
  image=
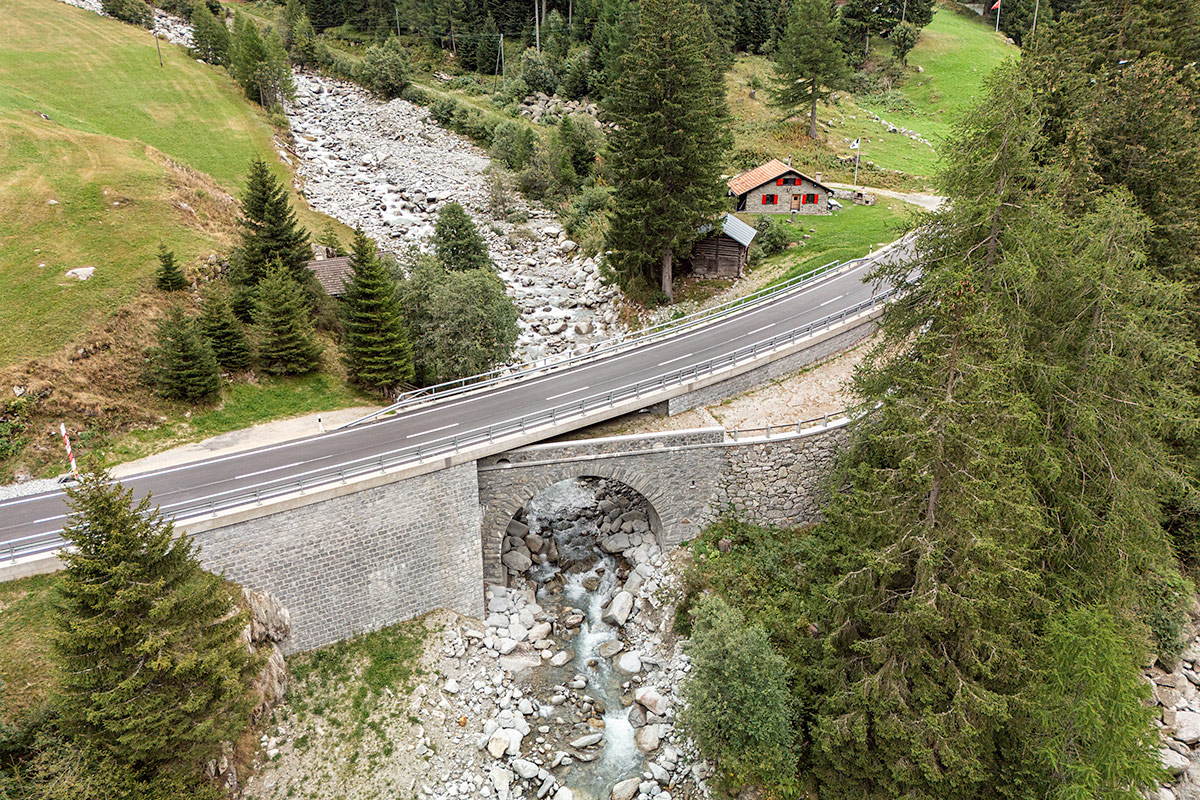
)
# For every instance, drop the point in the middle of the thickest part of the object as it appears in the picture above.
(361, 561)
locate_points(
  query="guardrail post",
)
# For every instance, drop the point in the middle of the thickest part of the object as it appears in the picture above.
(825, 421)
(381, 467)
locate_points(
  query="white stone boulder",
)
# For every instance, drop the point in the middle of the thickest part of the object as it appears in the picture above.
(618, 610)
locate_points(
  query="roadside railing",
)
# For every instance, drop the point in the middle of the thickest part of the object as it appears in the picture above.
(574, 357)
(783, 429)
(417, 453)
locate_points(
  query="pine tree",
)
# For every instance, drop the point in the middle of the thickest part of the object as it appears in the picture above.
(809, 63)
(270, 232)
(932, 606)
(183, 366)
(286, 342)
(168, 277)
(487, 47)
(456, 240)
(210, 37)
(668, 146)
(224, 332)
(375, 346)
(154, 675)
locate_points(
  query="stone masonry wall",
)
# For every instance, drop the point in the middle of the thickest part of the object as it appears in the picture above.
(740, 384)
(362, 561)
(689, 478)
(777, 482)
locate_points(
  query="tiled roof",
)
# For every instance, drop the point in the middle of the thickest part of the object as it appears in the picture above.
(769, 171)
(332, 273)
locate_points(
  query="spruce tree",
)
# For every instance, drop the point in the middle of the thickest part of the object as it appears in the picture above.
(224, 332)
(270, 232)
(153, 672)
(668, 144)
(183, 366)
(375, 346)
(210, 37)
(456, 240)
(168, 277)
(809, 63)
(286, 342)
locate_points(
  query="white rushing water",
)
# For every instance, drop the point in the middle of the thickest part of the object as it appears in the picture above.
(619, 757)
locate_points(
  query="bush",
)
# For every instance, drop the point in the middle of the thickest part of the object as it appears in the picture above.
(135, 12)
(536, 72)
(501, 200)
(575, 82)
(462, 118)
(511, 91)
(384, 69)
(738, 709)
(773, 237)
(415, 94)
(586, 207)
(457, 242)
(512, 144)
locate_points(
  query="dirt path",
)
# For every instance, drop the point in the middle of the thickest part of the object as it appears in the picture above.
(929, 202)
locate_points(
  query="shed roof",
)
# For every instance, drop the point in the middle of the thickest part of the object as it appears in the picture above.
(331, 273)
(769, 171)
(734, 228)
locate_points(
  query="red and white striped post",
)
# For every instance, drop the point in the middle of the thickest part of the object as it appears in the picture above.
(70, 456)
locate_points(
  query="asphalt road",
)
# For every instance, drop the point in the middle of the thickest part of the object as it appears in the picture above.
(199, 484)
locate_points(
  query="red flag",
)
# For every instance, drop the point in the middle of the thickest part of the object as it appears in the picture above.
(996, 5)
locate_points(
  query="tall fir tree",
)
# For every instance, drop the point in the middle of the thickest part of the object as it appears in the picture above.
(286, 345)
(168, 277)
(667, 146)
(932, 605)
(457, 241)
(270, 233)
(375, 347)
(153, 672)
(224, 332)
(210, 37)
(809, 63)
(182, 366)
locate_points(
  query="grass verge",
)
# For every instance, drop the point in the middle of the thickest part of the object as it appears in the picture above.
(26, 661)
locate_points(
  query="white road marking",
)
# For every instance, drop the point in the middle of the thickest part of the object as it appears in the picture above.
(831, 300)
(757, 330)
(432, 430)
(564, 394)
(673, 360)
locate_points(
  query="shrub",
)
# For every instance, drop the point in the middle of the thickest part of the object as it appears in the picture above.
(457, 242)
(415, 94)
(586, 207)
(512, 144)
(773, 237)
(501, 200)
(384, 69)
(575, 82)
(135, 12)
(511, 91)
(738, 709)
(536, 72)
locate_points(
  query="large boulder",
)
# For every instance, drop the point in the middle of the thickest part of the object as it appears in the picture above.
(618, 610)
(1187, 727)
(652, 700)
(648, 738)
(625, 790)
(516, 560)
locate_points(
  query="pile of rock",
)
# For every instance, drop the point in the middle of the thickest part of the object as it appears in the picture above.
(624, 530)
(541, 107)
(388, 168)
(1177, 695)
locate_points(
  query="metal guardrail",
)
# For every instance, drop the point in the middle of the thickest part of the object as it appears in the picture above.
(572, 357)
(766, 432)
(46, 542)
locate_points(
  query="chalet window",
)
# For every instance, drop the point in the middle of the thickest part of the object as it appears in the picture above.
(812, 198)
(770, 199)
(789, 181)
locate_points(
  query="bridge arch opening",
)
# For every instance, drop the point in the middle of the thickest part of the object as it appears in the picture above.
(590, 531)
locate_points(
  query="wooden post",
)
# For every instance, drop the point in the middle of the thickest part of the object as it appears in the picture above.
(537, 30)
(158, 47)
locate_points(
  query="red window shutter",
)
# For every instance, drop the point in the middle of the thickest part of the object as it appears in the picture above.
(779, 181)
(803, 199)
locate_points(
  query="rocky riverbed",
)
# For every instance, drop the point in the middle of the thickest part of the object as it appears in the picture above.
(567, 690)
(388, 168)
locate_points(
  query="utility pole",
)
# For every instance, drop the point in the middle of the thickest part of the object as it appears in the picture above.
(1036, 3)
(537, 30)
(496, 70)
(903, 12)
(158, 46)
(397, 10)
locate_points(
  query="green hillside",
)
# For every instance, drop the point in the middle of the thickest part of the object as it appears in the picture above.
(129, 152)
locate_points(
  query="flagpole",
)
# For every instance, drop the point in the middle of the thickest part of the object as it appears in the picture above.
(857, 155)
(997, 16)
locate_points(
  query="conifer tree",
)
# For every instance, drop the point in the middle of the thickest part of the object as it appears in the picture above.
(286, 342)
(809, 63)
(153, 673)
(210, 37)
(375, 346)
(168, 277)
(224, 332)
(270, 232)
(456, 240)
(668, 146)
(183, 366)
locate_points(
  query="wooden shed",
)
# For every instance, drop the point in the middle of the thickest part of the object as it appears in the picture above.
(722, 253)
